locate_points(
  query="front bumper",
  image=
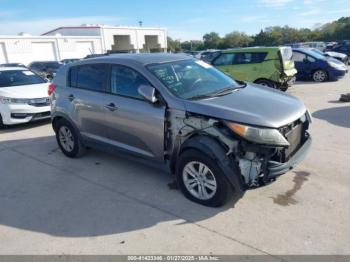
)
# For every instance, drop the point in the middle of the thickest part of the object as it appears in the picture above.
(335, 74)
(13, 114)
(276, 168)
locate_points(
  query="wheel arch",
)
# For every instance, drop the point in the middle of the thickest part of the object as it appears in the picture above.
(216, 150)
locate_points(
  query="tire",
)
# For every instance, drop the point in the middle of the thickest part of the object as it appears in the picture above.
(284, 88)
(214, 182)
(320, 76)
(2, 126)
(265, 82)
(66, 132)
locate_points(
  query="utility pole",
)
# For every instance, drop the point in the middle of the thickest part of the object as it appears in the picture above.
(140, 23)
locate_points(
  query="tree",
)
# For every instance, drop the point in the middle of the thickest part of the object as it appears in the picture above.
(236, 39)
(211, 40)
(174, 45)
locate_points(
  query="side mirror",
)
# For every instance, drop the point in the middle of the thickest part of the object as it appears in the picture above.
(305, 60)
(148, 93)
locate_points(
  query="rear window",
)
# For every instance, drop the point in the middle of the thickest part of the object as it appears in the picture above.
(19, 78)
(90, 77)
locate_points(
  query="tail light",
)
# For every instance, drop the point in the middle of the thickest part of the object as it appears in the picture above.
(51, 89)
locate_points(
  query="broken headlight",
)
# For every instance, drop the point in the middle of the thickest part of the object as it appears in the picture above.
(258, 135)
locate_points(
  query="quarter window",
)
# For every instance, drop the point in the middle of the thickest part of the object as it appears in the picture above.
(125, 82)
(90, 77)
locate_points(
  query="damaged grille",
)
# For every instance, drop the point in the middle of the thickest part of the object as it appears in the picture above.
(295, 135)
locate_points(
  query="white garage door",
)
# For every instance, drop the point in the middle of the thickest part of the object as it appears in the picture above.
(83, 49)
(43, 51)
(2, 54)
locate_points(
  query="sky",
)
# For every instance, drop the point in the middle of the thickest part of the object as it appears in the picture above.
(184, 19)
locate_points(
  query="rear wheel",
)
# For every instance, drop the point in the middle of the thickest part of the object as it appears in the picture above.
(201, 179)
(68, 139)
(265, 82)
(320, 76)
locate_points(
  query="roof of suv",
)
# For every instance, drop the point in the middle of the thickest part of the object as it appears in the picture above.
(144, 58)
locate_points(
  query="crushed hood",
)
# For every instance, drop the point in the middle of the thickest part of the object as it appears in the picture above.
(253, 105)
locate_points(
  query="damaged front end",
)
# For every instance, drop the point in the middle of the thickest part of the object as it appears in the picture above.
(258, 163)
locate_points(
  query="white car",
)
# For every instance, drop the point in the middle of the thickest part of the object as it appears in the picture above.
(23, 96)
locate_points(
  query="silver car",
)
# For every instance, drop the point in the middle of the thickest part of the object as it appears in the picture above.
(218, 136)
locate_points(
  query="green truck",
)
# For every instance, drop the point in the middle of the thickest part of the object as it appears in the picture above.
(269, 66)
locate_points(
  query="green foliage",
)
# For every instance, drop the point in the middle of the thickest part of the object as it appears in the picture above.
(271, 36)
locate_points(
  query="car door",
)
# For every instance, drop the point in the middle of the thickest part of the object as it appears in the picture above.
(301, 65)
(87, 96)
(134, 124)
(246, 66)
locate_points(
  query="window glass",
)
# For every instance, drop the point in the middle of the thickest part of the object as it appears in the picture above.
(125, 82)
(91, 77)
(311, 59)
(192, 79)
(224, 59)
(19, 78)
(298, 57)
(249, 58)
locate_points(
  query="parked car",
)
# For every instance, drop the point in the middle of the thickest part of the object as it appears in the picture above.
(268, 66)
(342, 48)
(311, 65)
(23, 96)
(69, 60)
(46, 69)
(216, 134)
(339, 56)
(13, 65)
(318, 45)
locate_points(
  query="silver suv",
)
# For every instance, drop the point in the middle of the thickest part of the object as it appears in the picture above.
(217, 135)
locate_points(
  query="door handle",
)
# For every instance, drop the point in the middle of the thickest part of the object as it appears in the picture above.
(111, 107)
(71, 97)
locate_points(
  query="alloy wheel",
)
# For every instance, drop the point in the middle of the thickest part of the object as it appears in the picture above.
(320, 76)
(66, 138)
(199, 180)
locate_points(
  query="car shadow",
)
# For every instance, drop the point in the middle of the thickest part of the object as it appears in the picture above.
(20, 127)
(98, 194)
(339, 116)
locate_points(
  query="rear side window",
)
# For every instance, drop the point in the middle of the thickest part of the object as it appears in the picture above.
(90, 77)
(126, 81)
(249, 58)
(298, 57)
(224, 59)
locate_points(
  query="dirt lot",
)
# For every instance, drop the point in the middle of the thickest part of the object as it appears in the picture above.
(105, 204)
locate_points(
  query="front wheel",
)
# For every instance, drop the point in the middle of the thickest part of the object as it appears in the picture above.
(319, 76)
(201, 179)
(265, 82)
(68, 139)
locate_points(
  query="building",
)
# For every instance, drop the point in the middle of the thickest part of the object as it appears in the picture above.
(77, 42)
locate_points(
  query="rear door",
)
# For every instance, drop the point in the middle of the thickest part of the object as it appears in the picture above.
(134, 124)
(247, 66)
(87, 96)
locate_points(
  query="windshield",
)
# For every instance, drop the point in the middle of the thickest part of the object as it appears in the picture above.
(52, 65)
(314, 54)
(317, 51)
(19, 78)
(191, 79)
